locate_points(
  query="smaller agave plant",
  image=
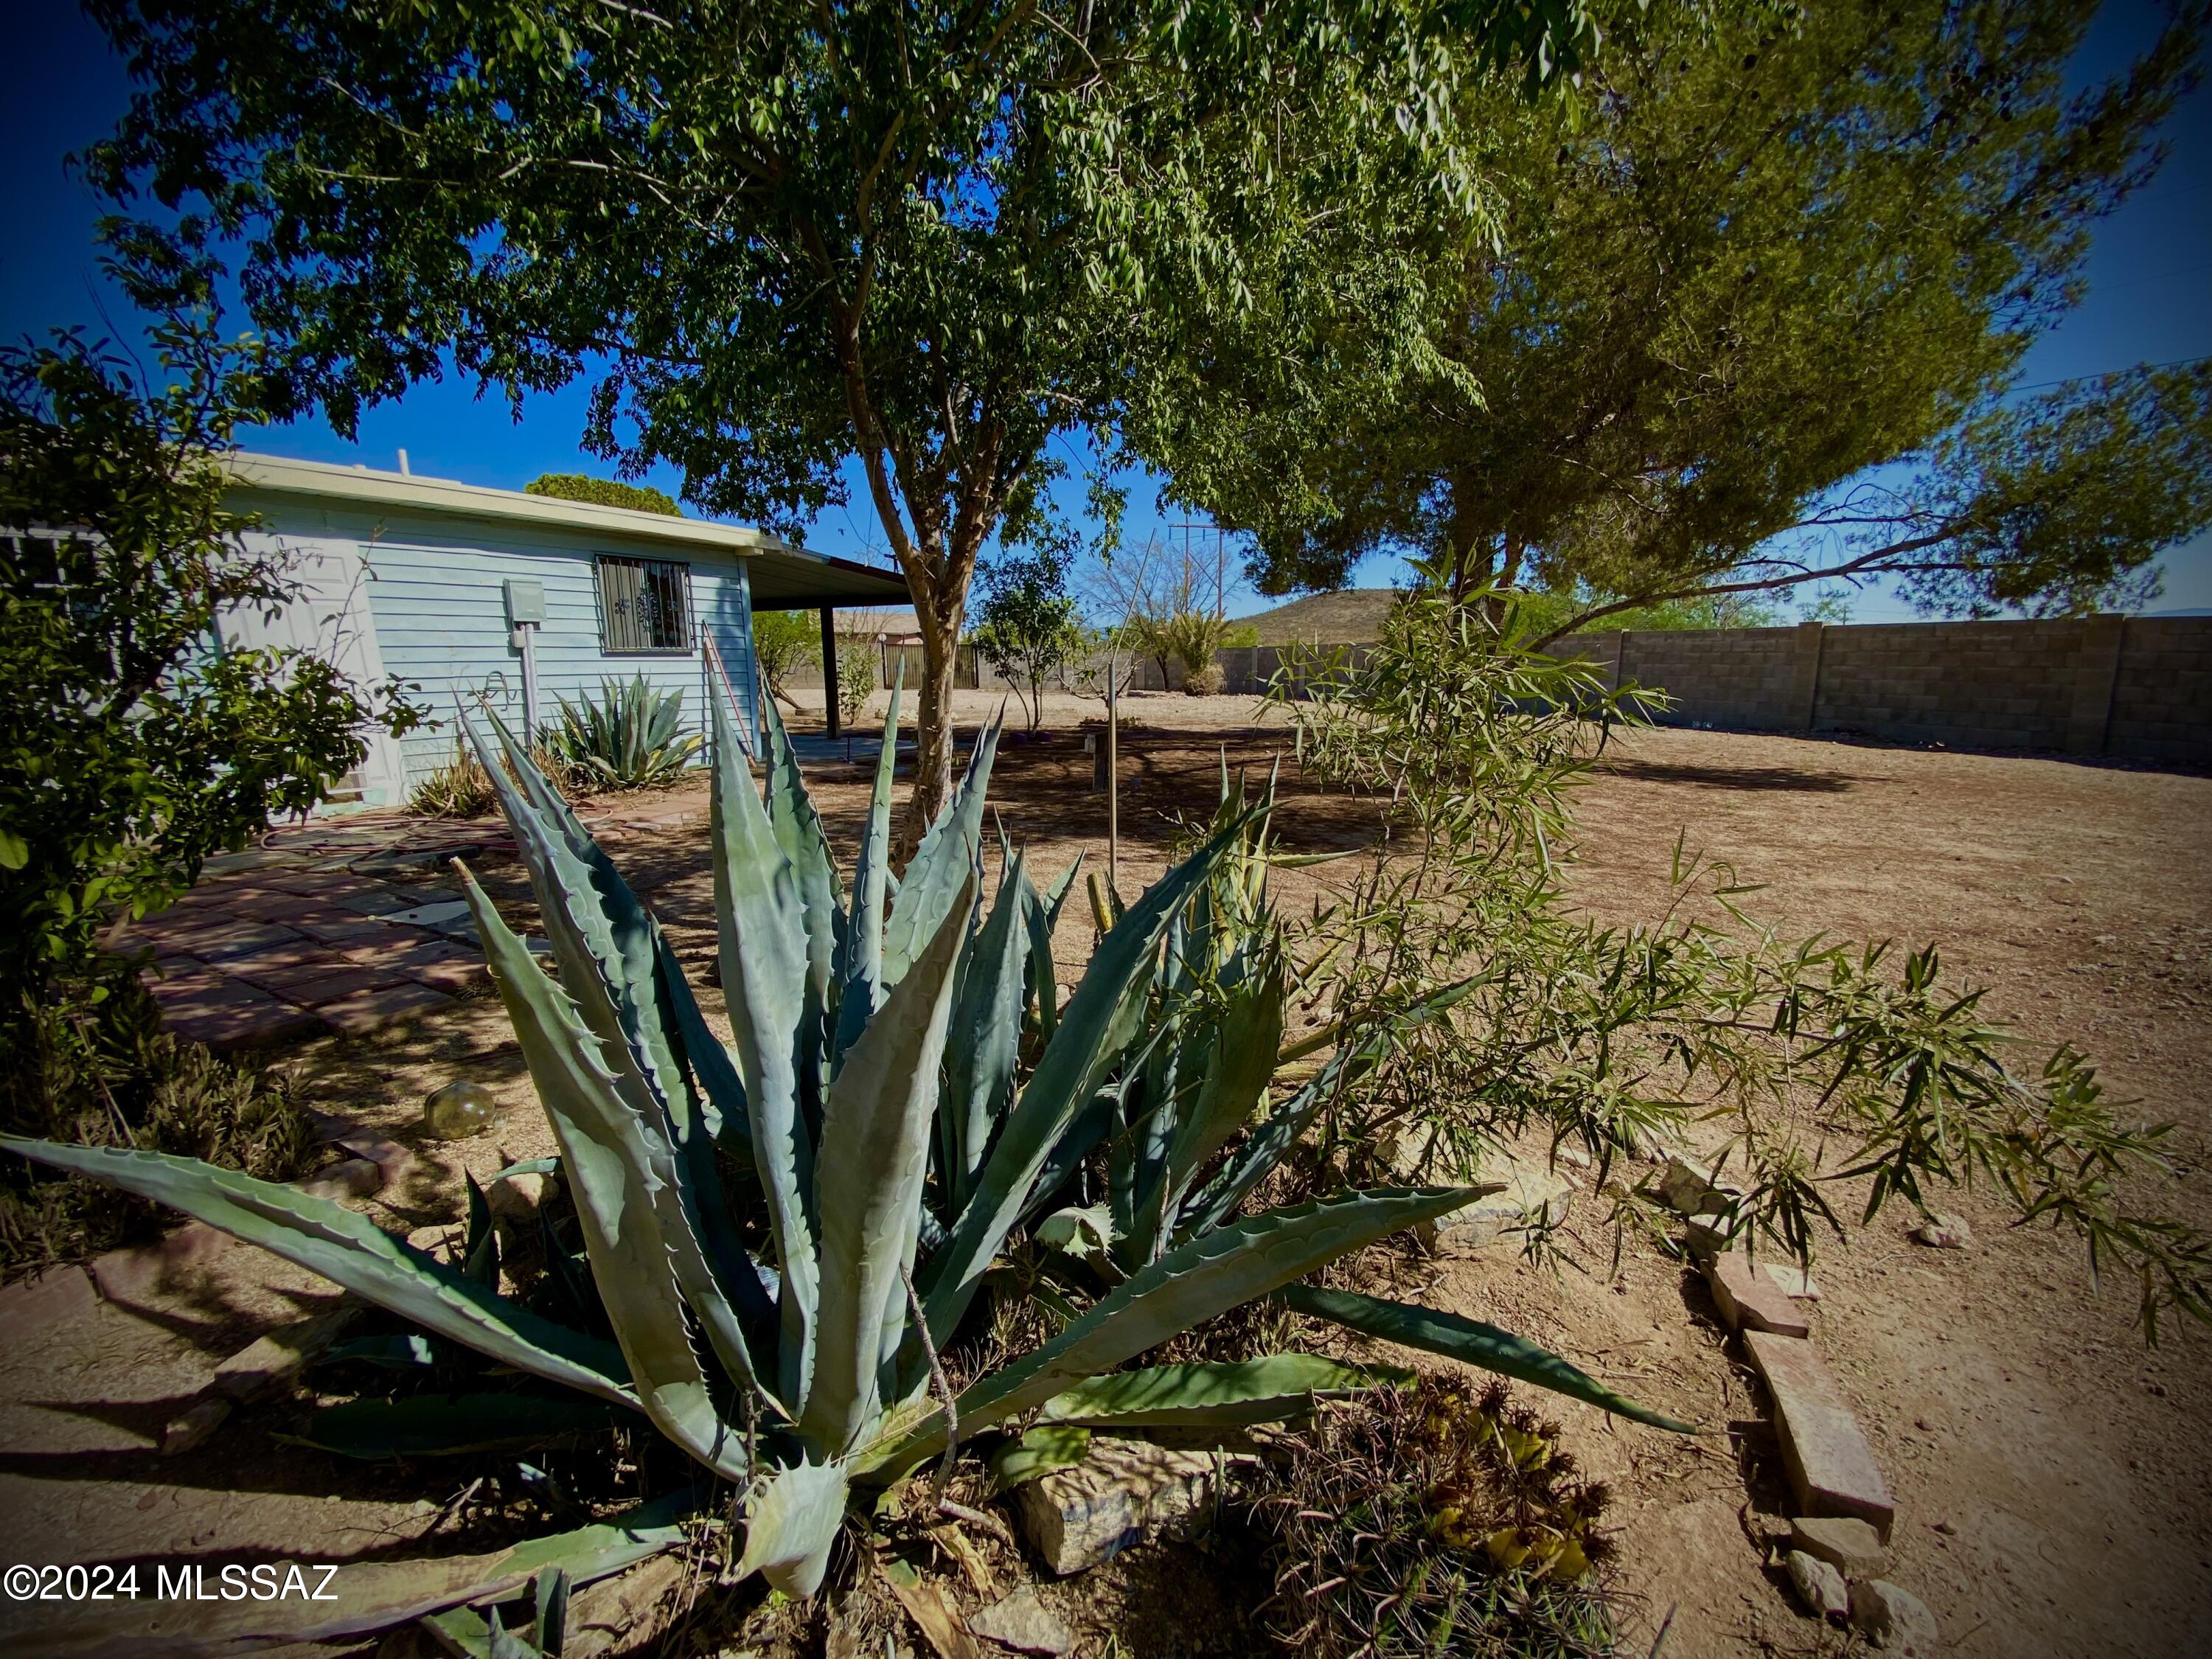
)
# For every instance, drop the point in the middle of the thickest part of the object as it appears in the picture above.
(905, 1095)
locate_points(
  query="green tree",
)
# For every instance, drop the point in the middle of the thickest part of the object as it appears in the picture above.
(908, 234)
(784, 641)
(603, 492)
(1026, 627)
(1750, 265)
(139, 742)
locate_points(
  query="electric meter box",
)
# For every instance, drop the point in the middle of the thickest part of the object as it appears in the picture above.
(525, 602)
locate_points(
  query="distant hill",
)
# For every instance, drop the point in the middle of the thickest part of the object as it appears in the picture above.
(1352, 617)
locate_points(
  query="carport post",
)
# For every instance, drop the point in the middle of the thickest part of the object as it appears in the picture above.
(830, 664)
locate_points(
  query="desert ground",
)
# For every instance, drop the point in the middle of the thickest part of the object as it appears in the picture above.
(2053, 1473)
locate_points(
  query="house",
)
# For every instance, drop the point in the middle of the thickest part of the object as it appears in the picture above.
(472, 595)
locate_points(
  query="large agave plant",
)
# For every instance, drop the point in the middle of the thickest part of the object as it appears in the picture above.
(907, 1093)
(627, 737)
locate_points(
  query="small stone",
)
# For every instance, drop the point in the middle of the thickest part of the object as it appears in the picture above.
(1894, 1620)
(1024, 1624)
(459, 1110)
(1690, 1188)
(193, 1428)
(1125, 1493)
(519, 1198)
(1750, 1300)
(1793, 1281)
(1818, 1586)
(1943, 1231)
(1531, 1199)
(1850, 1546)
(355, 1177)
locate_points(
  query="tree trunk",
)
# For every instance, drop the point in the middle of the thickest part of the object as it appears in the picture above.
(940, 624)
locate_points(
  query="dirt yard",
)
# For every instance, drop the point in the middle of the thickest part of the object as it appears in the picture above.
(2053, 1476)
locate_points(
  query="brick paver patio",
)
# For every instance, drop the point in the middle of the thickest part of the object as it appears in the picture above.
(336, 926)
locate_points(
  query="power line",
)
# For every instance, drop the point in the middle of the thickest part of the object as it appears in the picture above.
(2075, 379)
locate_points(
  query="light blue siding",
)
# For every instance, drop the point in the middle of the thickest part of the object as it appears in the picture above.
(438, 602)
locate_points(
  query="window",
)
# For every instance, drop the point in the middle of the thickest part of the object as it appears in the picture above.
(645, 605)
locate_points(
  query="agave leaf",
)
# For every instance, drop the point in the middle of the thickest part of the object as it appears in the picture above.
(1472, 1341)
(1212, 1395)
(1043, 991)
(759, 915)
(721, 1097)
(480, 1254)
(875, 1135)
(1102, 1019)
(791, 1521)
(602, 938)
(1272, 1139)
(797, 829)
(435, 1425)
(942, 863)
(860, 973)
(984, 1041)
(636, 1124)
(352, 1251)
(1185, 1287)
(623, 1178)
(1045, 1449)
(1238, 1064)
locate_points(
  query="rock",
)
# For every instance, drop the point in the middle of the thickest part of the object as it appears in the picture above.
(1894, 1620)
(1705, 1238)
(1688, 1188)
(178, 1258)
(1748, 1298)
(433, 1239)
(195, 1427)
(262, 1367)
(355, 1177)
(1818, 1586)
(1793, 1281)
(1530, 1197)
(1850, 1546)
(519, 1198)
(1125, 1493)
(628, 1613)
(458, 1110)
(1942, 1231)
(29, 1305)
(1024, 1624)
(1831, 1467)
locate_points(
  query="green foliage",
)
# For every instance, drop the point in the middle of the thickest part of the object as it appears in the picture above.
(970, 206)
(458, 788)
(1441, 1526)
(603, 492)
(1026, 627)
(857, 671)
(784, 641)
(136, 750)
(101, 1073)
(889, 1168)
(1801, 1064)
(1690, 339)
(627, 737)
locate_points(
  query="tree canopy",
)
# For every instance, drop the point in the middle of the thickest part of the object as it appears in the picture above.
(1760, 258)
(603, 492)
(782, 236)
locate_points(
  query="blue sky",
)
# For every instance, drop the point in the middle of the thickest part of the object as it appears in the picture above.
(2150, 275)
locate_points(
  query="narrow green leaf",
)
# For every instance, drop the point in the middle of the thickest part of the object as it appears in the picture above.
(350, 1250)
(1185, 1287)
(1214, 1393)
(984, 1041)
(1045, 1449)
(1472, 1341)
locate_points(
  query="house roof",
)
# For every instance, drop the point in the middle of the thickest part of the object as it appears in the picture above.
(783, 577)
